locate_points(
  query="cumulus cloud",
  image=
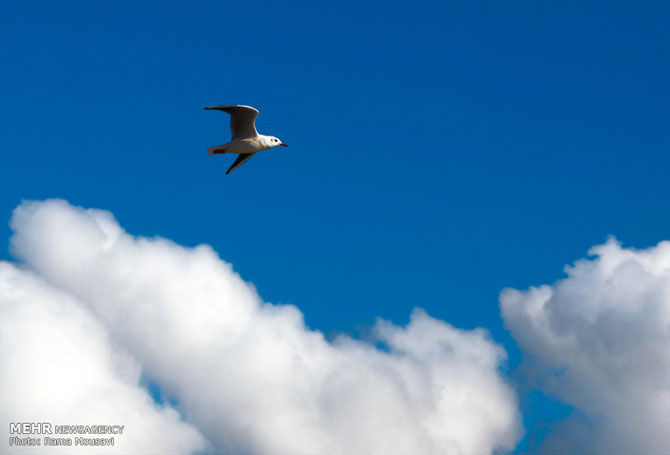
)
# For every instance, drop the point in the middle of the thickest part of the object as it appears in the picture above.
(57, 366)
(600, 341)
(250, 375)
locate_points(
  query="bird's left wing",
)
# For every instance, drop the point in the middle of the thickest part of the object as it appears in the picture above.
(242, 120)
(241, 159)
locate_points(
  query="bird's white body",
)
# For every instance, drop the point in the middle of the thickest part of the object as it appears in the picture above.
(245, 141)
(245, 145)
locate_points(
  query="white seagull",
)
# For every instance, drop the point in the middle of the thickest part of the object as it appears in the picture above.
(245, 141)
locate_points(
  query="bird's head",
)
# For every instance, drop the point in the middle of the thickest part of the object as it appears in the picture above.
(274, 141)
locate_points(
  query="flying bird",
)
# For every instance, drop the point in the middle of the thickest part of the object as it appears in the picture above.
(246, 141)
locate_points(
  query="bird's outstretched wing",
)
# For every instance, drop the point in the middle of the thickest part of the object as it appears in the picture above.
(241, 159)
(242, 120)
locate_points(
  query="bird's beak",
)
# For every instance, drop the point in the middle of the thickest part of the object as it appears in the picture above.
(283, 145)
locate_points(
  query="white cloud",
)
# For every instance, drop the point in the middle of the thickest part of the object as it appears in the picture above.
(249, 374)
(600, 340)
(57, 366)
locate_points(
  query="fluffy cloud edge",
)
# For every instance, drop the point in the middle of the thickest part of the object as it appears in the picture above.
(599, 341)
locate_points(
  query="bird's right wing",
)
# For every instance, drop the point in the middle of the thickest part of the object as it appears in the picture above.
(241, 159)
(242, 120)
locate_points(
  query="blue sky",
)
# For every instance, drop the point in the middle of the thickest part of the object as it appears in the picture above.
(438, 152)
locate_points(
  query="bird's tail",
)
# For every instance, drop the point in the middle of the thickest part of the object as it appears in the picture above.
(216, 150)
